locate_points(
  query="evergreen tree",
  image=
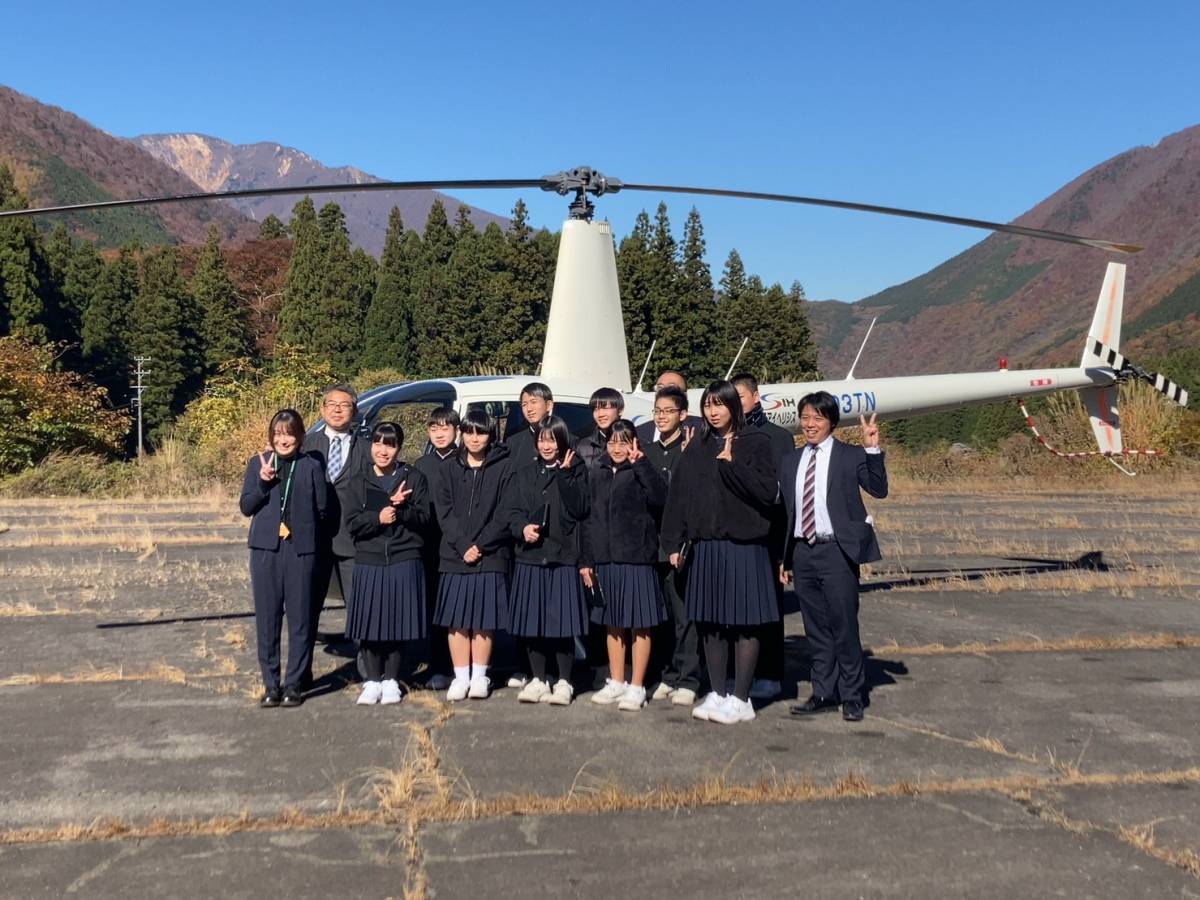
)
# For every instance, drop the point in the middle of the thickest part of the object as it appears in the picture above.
(163, 328)
(222, 324)
(670, 321)
(727, 336)
(74, 270)
(106, 323)
(497, 302)
(697, 311)
(300, 312)
(23, 311)
(780, 345)
(461, 342)
(340, 299)
(430, 293)
(387, 339)
(271, 228)
(632, 267)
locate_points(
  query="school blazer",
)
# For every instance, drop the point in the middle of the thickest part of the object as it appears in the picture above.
(850, 468)
(308, 505)
(335, 535)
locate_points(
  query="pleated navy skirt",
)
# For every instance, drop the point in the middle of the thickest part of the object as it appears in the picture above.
(475, 601)
(547, 601)
(633, 598)
(387, 603)
(731, 584)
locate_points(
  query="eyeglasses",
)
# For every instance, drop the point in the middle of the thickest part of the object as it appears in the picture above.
(338, 404)
(666, 411)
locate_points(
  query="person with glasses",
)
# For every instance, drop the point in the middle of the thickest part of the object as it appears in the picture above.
(647, 431)
(675, 663)
(341, 453)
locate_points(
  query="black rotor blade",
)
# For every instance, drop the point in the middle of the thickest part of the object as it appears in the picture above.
(462, 184)
(1098, 243)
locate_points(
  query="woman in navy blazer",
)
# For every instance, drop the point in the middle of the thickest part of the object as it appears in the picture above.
(284, 494)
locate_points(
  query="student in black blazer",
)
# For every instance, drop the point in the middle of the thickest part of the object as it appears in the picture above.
(828, 536)
(648, 431)
(284, 494)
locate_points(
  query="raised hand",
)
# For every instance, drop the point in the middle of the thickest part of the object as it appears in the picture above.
(688, 433)
(586, 574)
(568, 458)
(387, 515)
(635, 452)
(532, 533)
(870, 431)
(266, 471)
(401, 494)
(473, 555)
(727, 451)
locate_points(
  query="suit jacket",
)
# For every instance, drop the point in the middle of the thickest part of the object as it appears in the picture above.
(335, 534)
(307, 506)
(850, 468)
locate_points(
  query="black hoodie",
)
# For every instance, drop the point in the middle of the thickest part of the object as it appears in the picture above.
(468, 503)
(622, 525)
(378, 544)
(558, 496)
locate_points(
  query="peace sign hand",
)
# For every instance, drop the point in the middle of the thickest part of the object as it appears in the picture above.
(727, 451)
(635, 452)
(568, 458)
(266, 471)
(870, 431)
(401, 494)
(689, 432)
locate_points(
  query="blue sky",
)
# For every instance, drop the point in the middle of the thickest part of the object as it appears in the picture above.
(970, 109)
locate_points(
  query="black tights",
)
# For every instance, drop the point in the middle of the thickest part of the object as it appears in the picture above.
(716, 654)
(540, 649)
(381, 660)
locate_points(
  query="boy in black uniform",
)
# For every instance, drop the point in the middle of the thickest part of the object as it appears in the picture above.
(442, 429)
(676, 647)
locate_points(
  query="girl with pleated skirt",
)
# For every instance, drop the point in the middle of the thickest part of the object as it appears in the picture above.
(388, 509)
(545, 505)
(620, 549)
(716, 526)
(475, 553)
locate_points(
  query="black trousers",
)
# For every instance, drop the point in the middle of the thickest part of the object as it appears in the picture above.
(827, 586)
(282, 584)
(675, 651)
(332, 577)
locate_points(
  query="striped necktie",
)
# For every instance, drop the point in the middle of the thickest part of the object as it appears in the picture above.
(335, 458)
(808, 516)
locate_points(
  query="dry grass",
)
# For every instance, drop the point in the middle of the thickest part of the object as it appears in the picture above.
(1142, 837)
(1154, 641)
(160, 672)
(144, 542)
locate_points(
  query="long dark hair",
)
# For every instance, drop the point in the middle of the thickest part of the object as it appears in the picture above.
(476, 421)
(724, 393)
(557, 428)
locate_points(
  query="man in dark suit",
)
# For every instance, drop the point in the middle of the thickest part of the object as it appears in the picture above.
(828, 536)
(341, 451)
(768, 675)
(647, 432)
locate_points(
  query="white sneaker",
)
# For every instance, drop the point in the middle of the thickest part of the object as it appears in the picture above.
(534, 692)
(610, 693)
(481, 686)
(371, 692)
(633, 699)
(662, 691)
(390, 692)
(458, 689)
(711, 702)
(683, 696)
(517, 680)
(762, 689)
(438, 682)
(733, 711)
(562, 695)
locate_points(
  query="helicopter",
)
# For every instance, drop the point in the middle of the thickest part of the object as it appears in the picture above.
(585, 344)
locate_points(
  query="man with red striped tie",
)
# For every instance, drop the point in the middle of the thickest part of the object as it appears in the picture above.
(829, 535)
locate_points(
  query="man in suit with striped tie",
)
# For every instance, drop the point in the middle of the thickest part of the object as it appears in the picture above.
(341, 453)
(828, 537)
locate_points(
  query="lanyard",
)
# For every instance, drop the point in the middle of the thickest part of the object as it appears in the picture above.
(287, 488)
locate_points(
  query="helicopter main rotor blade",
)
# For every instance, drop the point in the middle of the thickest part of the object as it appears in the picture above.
(1063, 237)
(461, 184)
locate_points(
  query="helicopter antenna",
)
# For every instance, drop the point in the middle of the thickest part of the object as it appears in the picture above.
(646, 364)
(850, 374)
(736, 358)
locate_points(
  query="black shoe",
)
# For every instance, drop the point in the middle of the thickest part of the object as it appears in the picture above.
(270, 698)
(852, 710)
(292, 697)
(814, 705)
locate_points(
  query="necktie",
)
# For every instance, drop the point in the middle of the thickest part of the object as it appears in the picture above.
(808, 516)
(335, 458)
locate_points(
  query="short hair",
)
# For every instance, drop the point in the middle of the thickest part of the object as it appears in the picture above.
(724, 393)
(824, 404)
(341, 387)
(390, 434)
(477, 421)
(557, 428)
(443, 415)
(670, 392)
(673, 372)
(292, 422)
(539, 390)
(623, 430)
(746, 380)
(608, 396)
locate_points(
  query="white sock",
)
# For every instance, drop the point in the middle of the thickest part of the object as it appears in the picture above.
(462, 673)
(478, 671)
